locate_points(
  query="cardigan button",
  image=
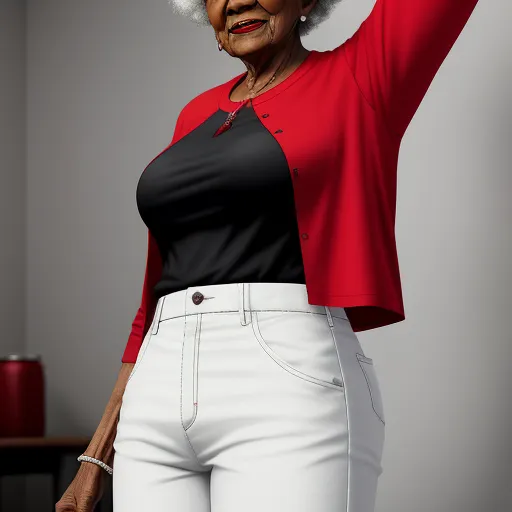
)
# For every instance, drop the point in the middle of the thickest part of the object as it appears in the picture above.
(197, 298)
(264, 115)
(305, 235)
(296, 172)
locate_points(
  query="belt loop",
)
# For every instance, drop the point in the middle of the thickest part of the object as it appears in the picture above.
(329, 316)
(245, 319)
(158, 314)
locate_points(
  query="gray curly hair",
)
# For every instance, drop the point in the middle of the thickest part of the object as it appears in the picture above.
(195, 10)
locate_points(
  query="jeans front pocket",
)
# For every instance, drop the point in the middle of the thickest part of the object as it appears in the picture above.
(372, 381)
(140, 355)
(301, 343)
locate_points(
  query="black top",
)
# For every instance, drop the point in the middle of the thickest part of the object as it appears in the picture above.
(221, 209)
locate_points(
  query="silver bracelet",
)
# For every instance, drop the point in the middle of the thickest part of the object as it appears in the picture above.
(86, 458)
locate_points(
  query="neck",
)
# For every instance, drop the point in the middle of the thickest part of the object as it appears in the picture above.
(261, 67)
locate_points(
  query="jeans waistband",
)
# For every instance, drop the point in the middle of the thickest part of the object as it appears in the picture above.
(241, 297)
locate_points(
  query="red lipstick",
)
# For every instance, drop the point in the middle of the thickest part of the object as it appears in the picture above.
(247, 27)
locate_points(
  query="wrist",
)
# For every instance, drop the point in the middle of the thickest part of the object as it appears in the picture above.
(95, 462)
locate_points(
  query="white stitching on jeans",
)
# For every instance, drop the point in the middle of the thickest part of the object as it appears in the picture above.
(195, 369)
(275, 357)
(364, 359)
(237, 311)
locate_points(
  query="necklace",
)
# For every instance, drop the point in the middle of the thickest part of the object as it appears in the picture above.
(226, 125)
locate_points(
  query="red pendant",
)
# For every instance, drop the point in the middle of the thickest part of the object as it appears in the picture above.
(226, 125)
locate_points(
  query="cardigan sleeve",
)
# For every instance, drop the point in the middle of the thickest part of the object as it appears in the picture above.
(144, 316)
(397, 51)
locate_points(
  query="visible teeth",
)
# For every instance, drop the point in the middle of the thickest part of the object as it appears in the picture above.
(243, 23)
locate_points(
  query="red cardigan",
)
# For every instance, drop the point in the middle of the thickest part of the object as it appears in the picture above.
(339, 118)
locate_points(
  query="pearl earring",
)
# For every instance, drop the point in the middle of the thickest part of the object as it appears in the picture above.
(220, 46)
(303, 18)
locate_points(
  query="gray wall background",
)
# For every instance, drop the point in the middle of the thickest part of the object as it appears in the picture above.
(100, 85)
(13, 197)
(12, 174)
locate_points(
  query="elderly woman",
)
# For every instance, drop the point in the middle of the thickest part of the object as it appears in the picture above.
(270, 220)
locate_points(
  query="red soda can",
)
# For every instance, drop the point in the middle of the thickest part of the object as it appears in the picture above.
(22, 396)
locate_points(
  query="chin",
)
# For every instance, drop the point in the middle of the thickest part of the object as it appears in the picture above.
(240, 50)
(247, 45)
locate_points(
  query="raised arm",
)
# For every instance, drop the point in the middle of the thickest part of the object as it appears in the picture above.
(398, 49)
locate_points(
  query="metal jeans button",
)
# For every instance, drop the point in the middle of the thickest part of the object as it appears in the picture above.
(197, 298)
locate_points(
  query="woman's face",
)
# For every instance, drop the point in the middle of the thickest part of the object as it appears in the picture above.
(281, 15)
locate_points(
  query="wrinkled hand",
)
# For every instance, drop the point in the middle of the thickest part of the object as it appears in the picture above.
(85, 491)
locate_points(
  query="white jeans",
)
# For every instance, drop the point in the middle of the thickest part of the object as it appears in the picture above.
(245, 398)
